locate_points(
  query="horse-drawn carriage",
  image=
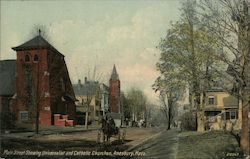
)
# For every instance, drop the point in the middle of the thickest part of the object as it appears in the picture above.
(109, 129)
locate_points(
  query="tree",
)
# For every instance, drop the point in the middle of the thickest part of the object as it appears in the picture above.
(137, 104)
(92, 89)
(229, 21)
(169, 106)
(169, 88)
(126, 108)
(90, 96)
(187, 56)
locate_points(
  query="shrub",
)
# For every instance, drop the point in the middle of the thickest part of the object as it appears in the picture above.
(188, 121)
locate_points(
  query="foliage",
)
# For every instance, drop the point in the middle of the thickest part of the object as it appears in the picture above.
(136, 101)
(229, 21)
(188, 121)
(126, 108)
(187, 58)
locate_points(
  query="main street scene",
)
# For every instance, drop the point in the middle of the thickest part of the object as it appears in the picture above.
(167, 79)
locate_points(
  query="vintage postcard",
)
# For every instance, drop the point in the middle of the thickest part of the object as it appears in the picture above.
(155, 79)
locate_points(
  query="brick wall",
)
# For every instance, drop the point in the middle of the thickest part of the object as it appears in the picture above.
(114, 96)
(32, 83)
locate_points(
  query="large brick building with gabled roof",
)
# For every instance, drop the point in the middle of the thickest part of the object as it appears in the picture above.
(42, 81)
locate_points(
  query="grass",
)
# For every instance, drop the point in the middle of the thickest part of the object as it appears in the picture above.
(212, 144)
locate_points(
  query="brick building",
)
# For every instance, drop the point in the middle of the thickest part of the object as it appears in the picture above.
(115, 98)
(42, 81)
(114, 92)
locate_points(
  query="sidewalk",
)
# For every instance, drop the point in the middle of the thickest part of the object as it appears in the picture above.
(49, 131)
(162, 145)
(139, 143)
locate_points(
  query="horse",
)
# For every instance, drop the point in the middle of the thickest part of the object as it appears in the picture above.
(108, 129)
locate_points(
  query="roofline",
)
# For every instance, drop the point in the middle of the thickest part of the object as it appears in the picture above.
(8, 60)
(217, 91)
(34, 48)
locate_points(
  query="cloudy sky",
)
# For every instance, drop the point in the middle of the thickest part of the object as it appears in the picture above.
(97, 34)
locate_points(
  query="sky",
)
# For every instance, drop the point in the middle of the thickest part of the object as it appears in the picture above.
(94, 35)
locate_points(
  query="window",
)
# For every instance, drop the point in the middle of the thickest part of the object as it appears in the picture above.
(27, 58)
(231, 114)
(24, 116)
(36, 58)
(211, 100)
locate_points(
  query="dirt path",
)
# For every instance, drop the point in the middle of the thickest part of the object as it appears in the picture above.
(77, 141)
(163, 146)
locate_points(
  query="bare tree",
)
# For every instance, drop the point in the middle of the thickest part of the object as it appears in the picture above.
(168, 100)
(229, 22)
(137, 102)
(91, 92)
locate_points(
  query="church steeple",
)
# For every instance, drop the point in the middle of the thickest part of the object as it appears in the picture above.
(114, 92)
(114, 75)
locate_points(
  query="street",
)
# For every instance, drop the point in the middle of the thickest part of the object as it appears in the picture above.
(71, 144)
(163, 146)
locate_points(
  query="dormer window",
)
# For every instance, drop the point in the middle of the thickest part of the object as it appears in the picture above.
(36, 58)
(27, 58)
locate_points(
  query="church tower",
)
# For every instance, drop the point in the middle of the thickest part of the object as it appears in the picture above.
(114, 92)
(43, 86)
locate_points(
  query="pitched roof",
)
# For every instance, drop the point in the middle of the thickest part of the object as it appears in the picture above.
(114, 75)
(37, 42)
(104, 88)
(88, 88)
(7, 77)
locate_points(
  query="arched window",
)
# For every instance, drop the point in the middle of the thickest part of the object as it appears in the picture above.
(36, 58)
(27, 58)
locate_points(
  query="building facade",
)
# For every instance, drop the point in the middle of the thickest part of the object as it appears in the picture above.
(115, 98)
(104, 98)
(7, 92)
(43, 86)
(221, 108)
(88, 95)
(114, 92)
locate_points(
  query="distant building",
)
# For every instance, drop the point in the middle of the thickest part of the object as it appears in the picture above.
(114, 92)
(222, 105)
(104, 90)
(42, 81)
(88, 96)
(115, 98)
(7, 91)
